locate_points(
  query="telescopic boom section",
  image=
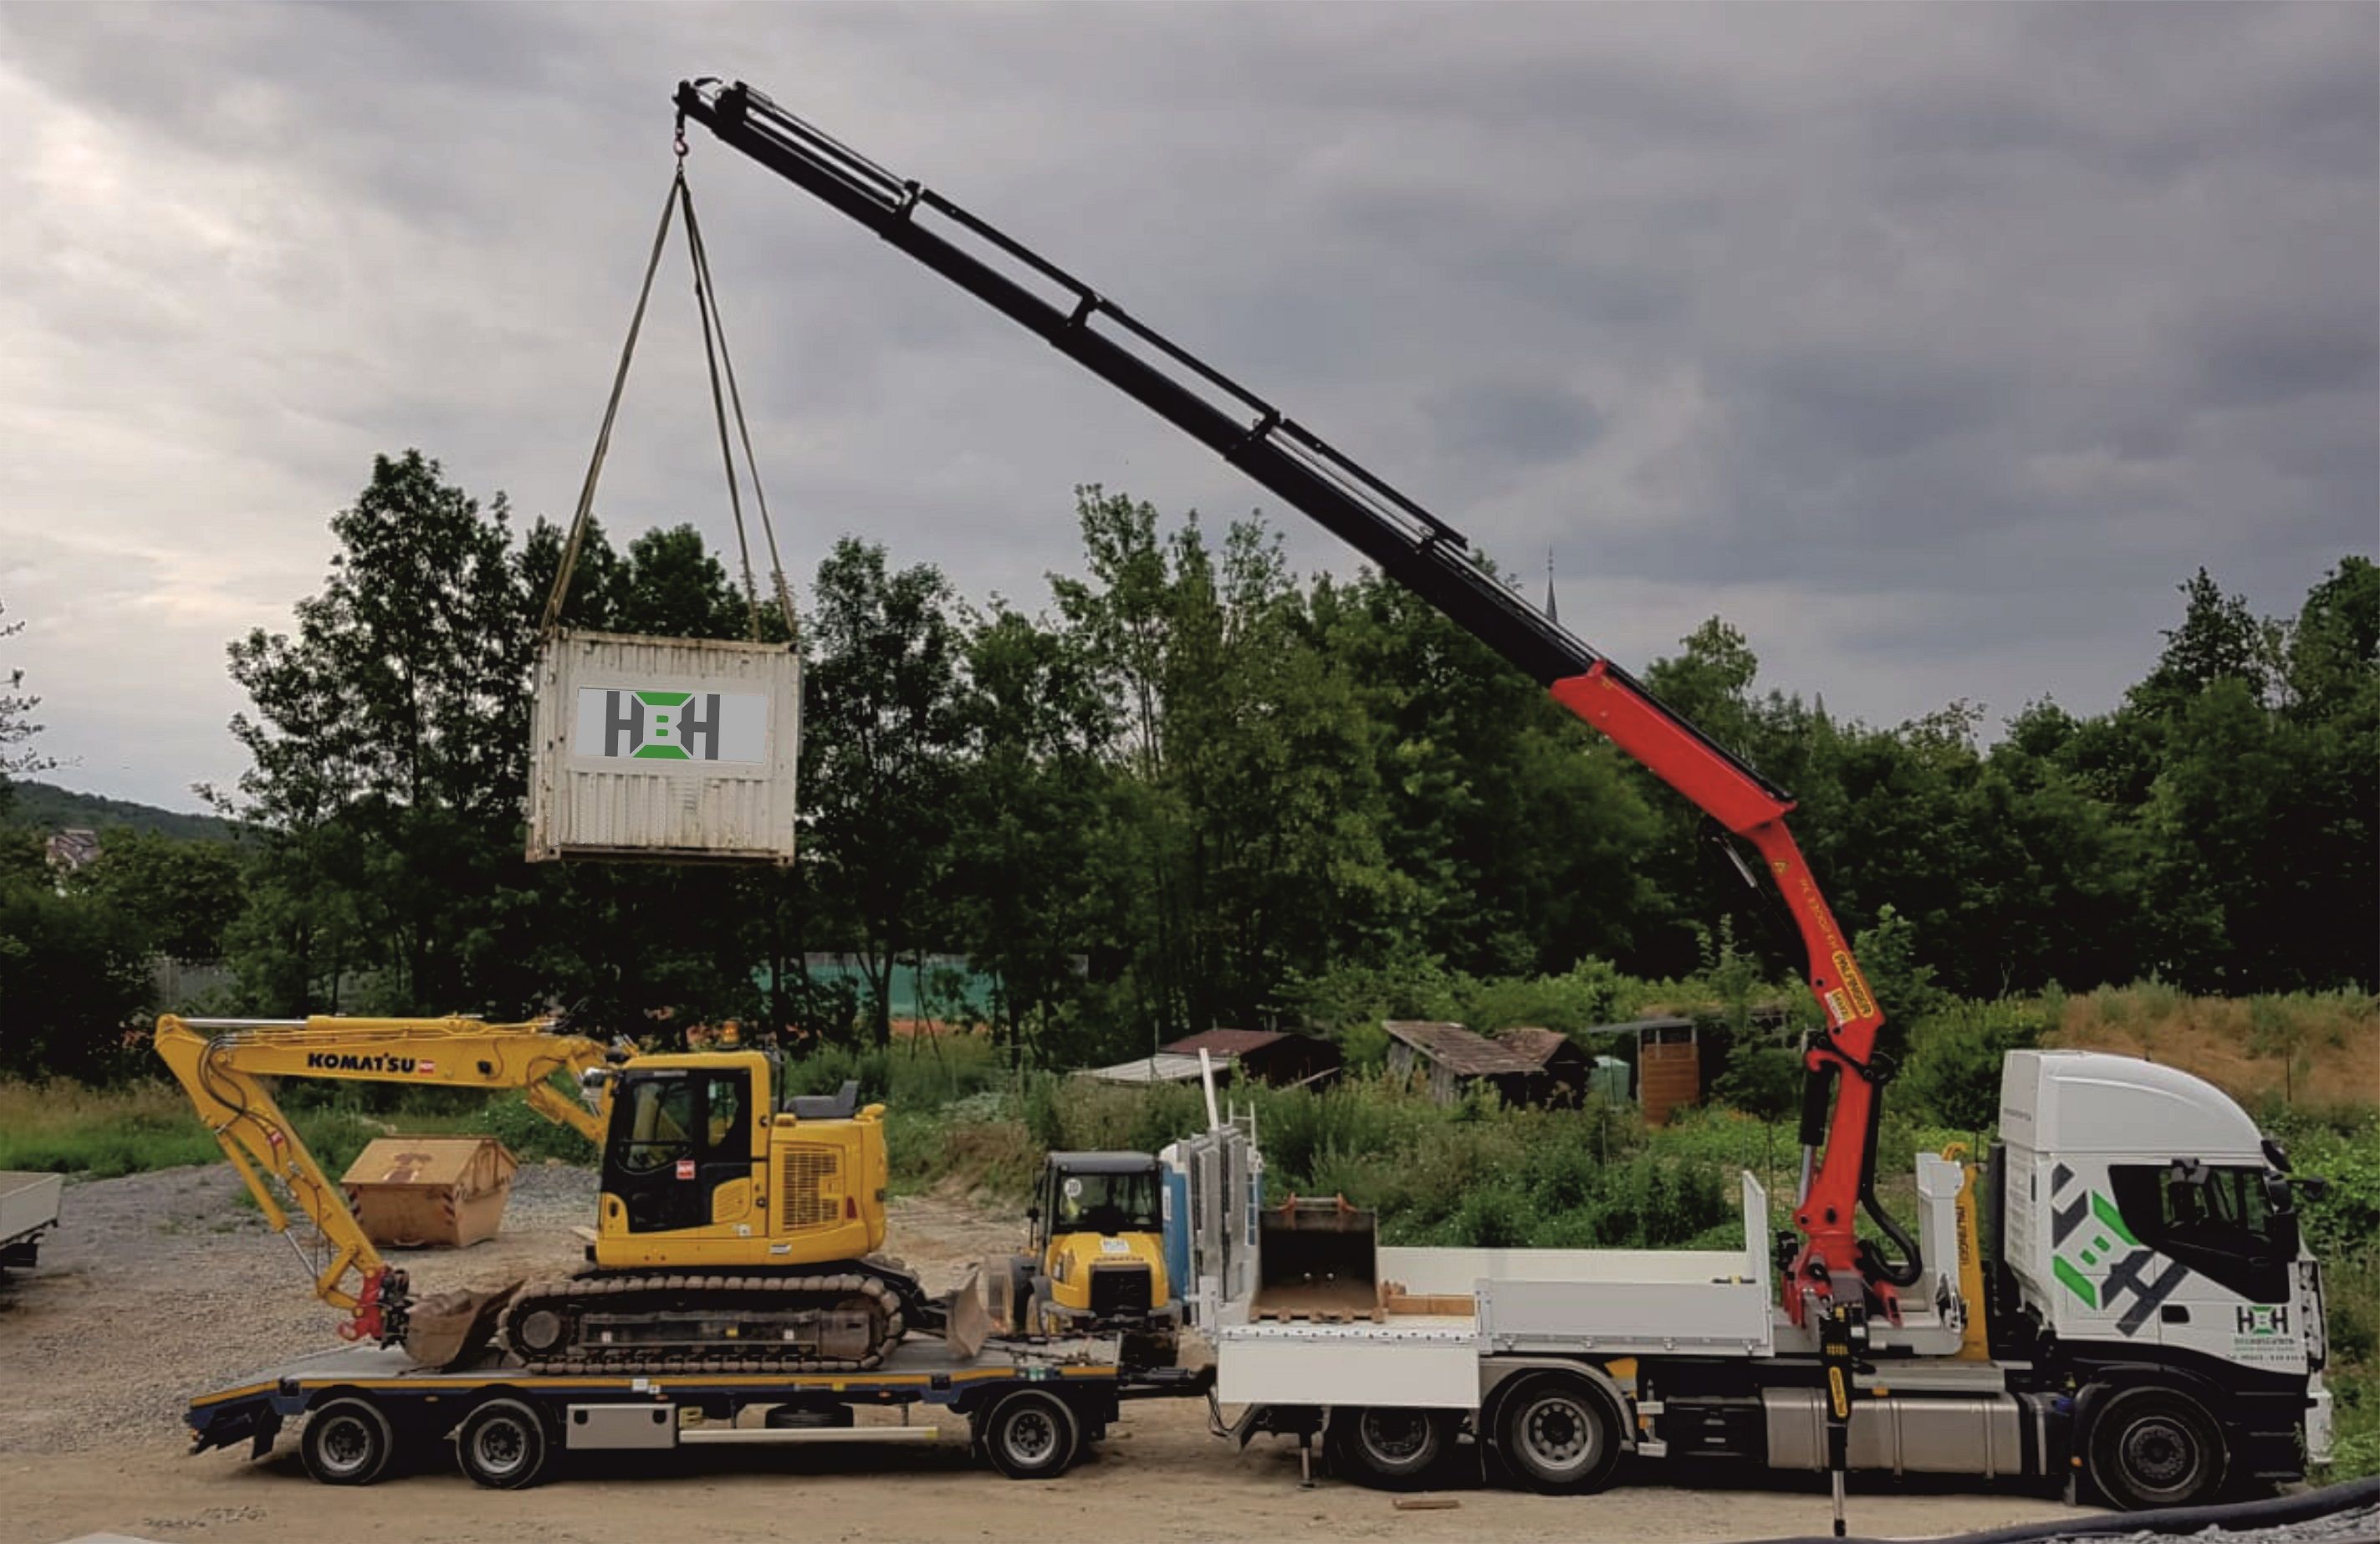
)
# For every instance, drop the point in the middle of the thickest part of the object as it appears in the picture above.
(1419, 550)
(225, 1065)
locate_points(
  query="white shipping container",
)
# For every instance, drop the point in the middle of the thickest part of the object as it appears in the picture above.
(668, 748)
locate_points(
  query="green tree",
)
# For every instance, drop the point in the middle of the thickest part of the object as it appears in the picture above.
(177, 896)
(73, 975)
(17, 759)
(881, 744)
(397, 711)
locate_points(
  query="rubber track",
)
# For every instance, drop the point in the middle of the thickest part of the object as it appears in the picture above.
(593, 1291)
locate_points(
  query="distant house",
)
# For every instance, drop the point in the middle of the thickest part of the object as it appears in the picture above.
(1265, 1055)
(1566, 1067)
(1453, 1058)
(72, 848)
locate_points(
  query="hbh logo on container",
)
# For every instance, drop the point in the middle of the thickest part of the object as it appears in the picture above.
(662, 725)
(646, 725)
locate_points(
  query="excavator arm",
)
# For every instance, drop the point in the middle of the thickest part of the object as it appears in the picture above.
(227, 1066)
(1418, 550)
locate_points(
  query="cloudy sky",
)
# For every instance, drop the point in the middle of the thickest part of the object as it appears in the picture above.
(1932, 344)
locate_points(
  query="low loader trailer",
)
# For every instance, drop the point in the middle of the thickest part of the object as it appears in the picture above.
(1028, 1407)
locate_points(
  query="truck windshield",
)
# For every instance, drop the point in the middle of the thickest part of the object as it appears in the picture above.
(2224, 1227)
(1108, 1203)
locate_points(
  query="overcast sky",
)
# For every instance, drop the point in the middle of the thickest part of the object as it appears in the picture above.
(1931, 344)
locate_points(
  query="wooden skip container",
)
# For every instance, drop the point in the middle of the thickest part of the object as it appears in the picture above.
(663, 747)
(410, 1191)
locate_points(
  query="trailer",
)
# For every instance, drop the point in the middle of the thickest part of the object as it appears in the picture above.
(29, 1208)
(1028, 1407)
(2119, 1300)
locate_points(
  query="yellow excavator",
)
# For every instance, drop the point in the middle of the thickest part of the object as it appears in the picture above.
(736, 1231)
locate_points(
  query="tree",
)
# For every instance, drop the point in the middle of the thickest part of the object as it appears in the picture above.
(880, 747)
(17, 759)
(177, 896)
(397, 713)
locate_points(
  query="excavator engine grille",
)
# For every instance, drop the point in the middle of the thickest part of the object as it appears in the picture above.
(808, 1194)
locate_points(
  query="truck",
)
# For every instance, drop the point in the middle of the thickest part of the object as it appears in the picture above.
(2119, 1297)
(29, 1208)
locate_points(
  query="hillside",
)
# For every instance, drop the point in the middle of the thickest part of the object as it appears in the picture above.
(47, 807)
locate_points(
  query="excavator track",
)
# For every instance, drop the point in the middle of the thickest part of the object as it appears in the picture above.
(711, 1321)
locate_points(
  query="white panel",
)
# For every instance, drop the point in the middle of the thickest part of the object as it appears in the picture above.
(1729, 1318)
(1347, 1364)
(28, 1201)
(2069, 1102)
(617, 769)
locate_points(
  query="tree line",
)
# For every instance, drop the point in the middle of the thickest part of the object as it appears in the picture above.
(1191, 788)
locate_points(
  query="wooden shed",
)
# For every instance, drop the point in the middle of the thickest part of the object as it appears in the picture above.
(1453, 1058)
(1567, 1069)
(1271, 1056)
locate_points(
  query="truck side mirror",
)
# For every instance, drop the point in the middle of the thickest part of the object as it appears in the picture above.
(2313, 1188)
(1033, 1214)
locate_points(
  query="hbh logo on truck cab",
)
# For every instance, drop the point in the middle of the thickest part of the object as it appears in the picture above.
(2125, 1274)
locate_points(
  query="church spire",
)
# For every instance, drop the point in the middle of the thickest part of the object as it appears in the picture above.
(1553, 613)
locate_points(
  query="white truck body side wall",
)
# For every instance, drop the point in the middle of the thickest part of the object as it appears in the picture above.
(675, 747)
(1418, 1363)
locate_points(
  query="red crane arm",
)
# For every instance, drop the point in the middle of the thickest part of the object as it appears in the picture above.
(1426, 555)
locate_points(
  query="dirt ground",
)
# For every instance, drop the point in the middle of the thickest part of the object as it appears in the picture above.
(158, 1287)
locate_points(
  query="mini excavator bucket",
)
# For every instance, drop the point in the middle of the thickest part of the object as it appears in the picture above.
(966, 1323)
(450, 1329)
(1317, 1259)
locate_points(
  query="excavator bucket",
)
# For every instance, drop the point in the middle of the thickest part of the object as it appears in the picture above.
(452, 1328)
(966, 1323)
(1317, 1259)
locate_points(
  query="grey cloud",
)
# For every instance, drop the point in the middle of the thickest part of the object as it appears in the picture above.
(1933, 343)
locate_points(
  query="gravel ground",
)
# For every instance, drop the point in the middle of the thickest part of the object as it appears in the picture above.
(2340, 1527)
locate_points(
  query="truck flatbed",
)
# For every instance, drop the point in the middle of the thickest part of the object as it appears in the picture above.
(1031, 1406)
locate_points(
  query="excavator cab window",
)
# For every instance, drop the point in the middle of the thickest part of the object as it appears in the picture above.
(676, 1136)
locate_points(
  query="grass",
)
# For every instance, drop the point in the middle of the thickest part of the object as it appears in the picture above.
(2314, 1050)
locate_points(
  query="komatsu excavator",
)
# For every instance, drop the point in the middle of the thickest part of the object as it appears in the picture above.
(736, 1231)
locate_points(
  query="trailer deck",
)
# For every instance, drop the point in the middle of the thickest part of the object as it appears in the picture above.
(1030, 1405)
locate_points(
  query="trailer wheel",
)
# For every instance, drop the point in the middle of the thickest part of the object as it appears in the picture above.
(1388, 1446)
(2155, 1448)
(347, 1441)
(502, 1445)
(1030, 1434)
(1559, 1434)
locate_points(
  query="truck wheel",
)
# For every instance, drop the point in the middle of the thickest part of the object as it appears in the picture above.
(2155, 1448)
(502, 1445)
(1389, 1447)
(1030, 1434)
(347, 1441)
(1559, 1434)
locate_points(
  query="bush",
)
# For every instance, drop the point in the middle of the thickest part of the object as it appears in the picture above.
(1954, 1076)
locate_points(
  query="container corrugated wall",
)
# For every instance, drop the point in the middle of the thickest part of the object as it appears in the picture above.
(663, 747)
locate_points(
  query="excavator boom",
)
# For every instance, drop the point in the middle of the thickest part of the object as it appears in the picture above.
(1422, 552)
(225, 1065)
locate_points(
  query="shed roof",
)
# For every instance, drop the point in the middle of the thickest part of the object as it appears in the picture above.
(1539, 1045)
(1162, 1067)
(1225, 1042)
(1458, 1050)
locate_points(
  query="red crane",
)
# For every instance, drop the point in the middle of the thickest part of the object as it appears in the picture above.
(1843, 1076)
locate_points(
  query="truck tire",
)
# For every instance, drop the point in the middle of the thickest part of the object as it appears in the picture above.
(2155, 1448)
(1559, 1434)
(1030, 1434)
(1389, 1447)
(502, 1445)
(347, 1441)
